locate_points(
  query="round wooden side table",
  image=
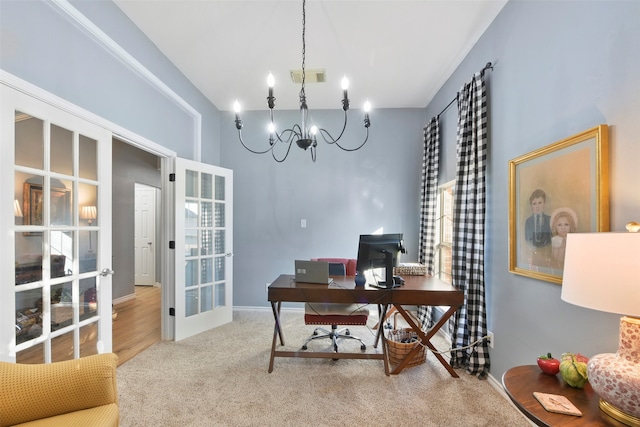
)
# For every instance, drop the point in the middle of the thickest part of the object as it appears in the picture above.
(520, 383)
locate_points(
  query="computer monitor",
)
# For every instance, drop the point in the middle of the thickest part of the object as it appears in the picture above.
(380, 251)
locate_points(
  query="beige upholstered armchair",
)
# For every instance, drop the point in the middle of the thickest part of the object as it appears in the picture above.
(80, 392)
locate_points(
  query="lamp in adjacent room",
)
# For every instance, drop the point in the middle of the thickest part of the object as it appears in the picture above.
(89, 213)
(305, 134)
(601, 272)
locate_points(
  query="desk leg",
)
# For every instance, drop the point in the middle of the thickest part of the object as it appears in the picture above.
(425, 339)
(277, 332)
(382, 313)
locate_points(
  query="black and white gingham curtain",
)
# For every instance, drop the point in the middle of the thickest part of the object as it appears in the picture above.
(470, 322)
(428, 203)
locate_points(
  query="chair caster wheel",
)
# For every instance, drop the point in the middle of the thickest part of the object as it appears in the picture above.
(304, 347)
(363, 347)
(315, 332)
(347, 332)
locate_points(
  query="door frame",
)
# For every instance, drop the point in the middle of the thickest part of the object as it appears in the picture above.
(167, 161)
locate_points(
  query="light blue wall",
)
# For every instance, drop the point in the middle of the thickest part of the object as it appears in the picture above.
(341, 196)
(561, 67)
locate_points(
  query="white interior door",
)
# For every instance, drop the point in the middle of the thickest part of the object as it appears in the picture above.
(203, 247)
(145, 235)
(55, 212)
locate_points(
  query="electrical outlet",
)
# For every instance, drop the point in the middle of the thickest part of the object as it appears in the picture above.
(266, 287)
(491, 339)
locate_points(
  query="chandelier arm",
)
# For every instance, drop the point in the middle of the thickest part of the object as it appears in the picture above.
(273, 153)
(366, 138)
(249, 149)
(293, 132)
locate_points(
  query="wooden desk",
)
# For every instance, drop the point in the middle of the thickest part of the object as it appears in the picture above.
(417, 290)
(520, 383)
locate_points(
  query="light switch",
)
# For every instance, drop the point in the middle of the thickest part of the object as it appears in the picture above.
(303, 223)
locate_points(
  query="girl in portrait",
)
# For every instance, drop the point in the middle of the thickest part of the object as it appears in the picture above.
(563, 222)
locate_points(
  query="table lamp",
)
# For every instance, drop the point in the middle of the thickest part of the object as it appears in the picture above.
(601, 272)
(89, 213)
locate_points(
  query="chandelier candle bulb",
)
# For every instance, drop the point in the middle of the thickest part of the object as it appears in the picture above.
(236, 108)
(345, 96)
(367, 108)
(270, 84)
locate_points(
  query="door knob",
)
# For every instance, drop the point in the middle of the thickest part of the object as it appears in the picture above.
(106, 271)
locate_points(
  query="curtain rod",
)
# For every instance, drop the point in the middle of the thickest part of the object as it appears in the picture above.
(489, 66)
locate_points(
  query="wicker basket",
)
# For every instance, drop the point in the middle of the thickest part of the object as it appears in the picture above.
(400, 342)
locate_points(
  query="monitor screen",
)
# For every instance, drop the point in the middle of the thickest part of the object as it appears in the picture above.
(380, 251)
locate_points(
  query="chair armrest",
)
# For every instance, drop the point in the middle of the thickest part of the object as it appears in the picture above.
(32, 392)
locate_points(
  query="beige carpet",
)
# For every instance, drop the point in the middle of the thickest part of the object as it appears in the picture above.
(220, 378)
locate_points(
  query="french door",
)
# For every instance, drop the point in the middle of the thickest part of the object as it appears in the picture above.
(55, 212)
(203, 247)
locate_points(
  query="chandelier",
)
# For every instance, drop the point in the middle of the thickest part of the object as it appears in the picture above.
(304, 135)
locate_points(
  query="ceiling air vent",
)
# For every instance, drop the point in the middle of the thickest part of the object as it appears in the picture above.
(311, 76)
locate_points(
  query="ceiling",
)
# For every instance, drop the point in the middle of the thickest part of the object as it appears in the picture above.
(395, 53)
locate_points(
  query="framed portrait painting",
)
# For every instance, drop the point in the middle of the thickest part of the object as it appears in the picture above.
(558, 189)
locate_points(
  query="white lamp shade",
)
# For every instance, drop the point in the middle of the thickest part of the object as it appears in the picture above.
(88, 212)
(601, 272)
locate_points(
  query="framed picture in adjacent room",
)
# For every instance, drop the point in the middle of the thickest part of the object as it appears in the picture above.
(558, 189)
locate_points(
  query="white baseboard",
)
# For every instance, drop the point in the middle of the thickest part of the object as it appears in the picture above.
(124, 299)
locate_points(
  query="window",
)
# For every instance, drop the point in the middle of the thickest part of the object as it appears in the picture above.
(444, 232)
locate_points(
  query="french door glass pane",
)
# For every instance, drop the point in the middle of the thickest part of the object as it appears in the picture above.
(62, 347)
(61, 253)
(88, 158)
(88, 298)
(62, 146)
(220, 187)
(191, 213)
(29, 143)
(220, 295)
(206, 299)
(89, 340)
(206, 272)
(207, 214)
(191, 273)
(207, 243)
(220, 273)
(88, 241)
(190, 242)
(207, 184)
(219, 220)
(28, 260)
(191, 184)
(61, 202)
(61, 305)
(191, 302)
(28, 315)
(33, 354)
(219, 244)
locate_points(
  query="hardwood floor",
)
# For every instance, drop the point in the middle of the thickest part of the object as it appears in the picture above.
(136, 327)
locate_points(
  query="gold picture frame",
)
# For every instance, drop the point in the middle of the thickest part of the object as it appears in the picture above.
(33, 204)
(560, 188)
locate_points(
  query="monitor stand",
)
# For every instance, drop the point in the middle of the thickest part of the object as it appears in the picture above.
(390, 281)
